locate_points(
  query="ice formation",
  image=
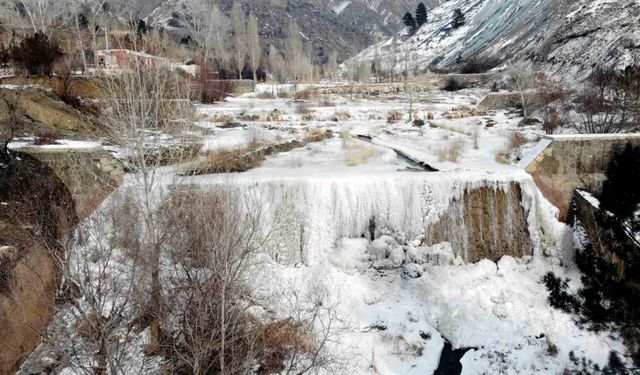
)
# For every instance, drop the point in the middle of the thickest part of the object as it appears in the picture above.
(308, 217)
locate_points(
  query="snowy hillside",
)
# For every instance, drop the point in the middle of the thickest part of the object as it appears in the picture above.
(345, 26)
(564, 37)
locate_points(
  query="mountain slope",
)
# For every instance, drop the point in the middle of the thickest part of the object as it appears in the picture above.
(346, 26)
(560, 36)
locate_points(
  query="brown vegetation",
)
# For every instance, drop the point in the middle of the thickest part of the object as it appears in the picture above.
(241, 160)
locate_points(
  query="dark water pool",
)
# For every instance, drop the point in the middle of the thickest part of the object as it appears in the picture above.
(450, 360)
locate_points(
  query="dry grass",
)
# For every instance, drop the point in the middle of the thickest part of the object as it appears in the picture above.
(227, 161)
(463, 112)
(393, 117)
(307, 95)
(358, 152)
(326, 101)
(222, 118)
(430, 116)
(452, 151)
(303, 108)
(516, 141)
(452, 128)
(360, 156)
(341, 116)
(475, 135)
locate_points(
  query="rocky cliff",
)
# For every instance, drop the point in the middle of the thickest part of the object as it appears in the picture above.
(36, 216)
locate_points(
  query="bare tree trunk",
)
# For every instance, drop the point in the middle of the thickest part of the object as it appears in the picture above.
(81, 43)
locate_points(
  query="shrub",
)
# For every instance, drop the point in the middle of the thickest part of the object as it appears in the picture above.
(394, 116)
(453, 85)
(478, 65)
(418, 123)
(608, 105)
(529, 121)
(46, 138)
(303, 108)
(452, 151)
(36, 54)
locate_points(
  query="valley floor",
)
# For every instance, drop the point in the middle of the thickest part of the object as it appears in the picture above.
(396, 320)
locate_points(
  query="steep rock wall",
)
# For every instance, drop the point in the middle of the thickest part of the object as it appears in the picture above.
(485, 223)
(36, 215)
(562, 164)
(90, 174)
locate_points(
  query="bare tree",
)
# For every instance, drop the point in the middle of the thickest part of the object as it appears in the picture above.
(39, 15)
(610, 103)
(295, 53)
(101, 278)
(394, 53)
(206, 25)
(144, 103)
(332, 66)
(408, 87)
(131, 13)
(75, 13)
(522, 80)
(239, 37)
(314, 314)
(255, 51)
(214, 254)
(94, 13)
(277, 68)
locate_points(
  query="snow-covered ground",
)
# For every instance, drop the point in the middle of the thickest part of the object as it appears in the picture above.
(399, 301)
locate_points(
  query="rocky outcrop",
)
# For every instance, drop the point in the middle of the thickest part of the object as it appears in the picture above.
(500, 100)
(90, 174)
(561, 164)
(585, 213)
(76, 86)
(36, 215)
(486, 223)
(43, 107)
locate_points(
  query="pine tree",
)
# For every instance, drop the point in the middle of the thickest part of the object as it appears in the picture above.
(458, 19)
(409, 22)
(421, 15)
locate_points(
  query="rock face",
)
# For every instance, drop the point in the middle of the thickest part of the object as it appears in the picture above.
(344, 26)
(561, 164)
(36, 215)
(499, 100)
(567, 38)
(43, 107)
(90, 174)
(77, 86)
(585, 216)
(486, 223)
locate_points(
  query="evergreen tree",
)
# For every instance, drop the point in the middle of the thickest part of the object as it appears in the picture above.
(458, 19)
(36, 54)
(421, 15)
(409, 22)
